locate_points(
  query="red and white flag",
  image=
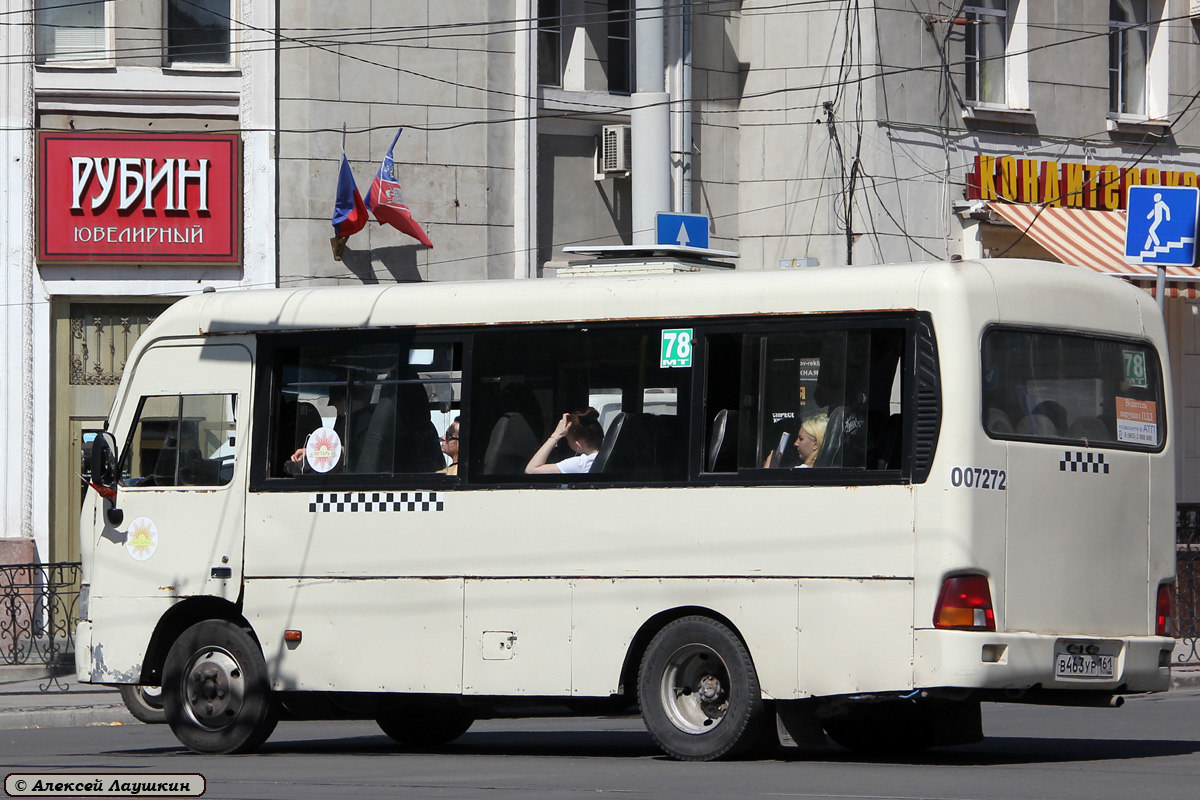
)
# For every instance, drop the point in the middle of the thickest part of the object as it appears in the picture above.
(386, 200)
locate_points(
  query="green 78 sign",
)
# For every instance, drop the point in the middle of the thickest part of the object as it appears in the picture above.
(676, 348)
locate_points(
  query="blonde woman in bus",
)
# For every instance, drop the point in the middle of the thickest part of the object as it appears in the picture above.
(584, 435)
(810, 438)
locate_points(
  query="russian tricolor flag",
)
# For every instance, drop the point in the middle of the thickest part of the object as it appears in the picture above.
(349, 211)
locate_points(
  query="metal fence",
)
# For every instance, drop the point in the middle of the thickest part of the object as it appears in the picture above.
(1187, 583)
(39, 607)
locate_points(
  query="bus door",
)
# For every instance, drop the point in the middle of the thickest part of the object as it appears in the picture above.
(183, 434)
(1082, 415)
(1077, 540)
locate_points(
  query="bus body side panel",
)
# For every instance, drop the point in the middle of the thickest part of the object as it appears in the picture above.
(554, 584)
(517, 637)
(792, 531)
(359, 635)
(128, 624)
(959, 527)
(608, 613)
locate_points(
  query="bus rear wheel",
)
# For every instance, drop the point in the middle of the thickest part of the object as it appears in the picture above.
(425, 727)
(215, 690)
(699, 692)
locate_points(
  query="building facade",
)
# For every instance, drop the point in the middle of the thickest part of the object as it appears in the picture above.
(824, 132)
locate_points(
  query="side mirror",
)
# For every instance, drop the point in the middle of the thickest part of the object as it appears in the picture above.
(103, 471)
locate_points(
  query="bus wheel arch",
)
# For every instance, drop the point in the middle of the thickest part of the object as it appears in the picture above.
(650, 628)
(174, 622)
(698, 690)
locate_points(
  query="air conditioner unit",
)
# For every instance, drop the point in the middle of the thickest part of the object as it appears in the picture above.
(616, 149)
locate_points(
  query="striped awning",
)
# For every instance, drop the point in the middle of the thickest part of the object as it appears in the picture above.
(1085, 238)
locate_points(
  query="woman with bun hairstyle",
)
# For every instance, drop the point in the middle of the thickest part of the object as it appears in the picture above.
(584, 435)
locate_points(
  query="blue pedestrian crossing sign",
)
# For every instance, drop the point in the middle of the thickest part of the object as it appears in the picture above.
(1160, 226)
(685, 230)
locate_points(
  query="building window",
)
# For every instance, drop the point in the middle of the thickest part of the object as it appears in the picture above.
(1128, 57)
(986, 47)
(549, 43)
(68, 30)
(198, 31)
(620, 47)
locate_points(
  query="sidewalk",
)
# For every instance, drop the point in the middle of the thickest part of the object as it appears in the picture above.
(23, 704)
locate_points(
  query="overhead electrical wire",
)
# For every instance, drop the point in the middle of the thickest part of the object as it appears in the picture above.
(844, 80)
(882, 72)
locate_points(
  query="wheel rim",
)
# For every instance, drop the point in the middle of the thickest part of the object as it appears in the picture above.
(214, 688)
(695, 689)
(151, 697)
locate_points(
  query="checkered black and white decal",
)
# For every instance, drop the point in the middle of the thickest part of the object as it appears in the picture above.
(1078, 461)
(374, 501)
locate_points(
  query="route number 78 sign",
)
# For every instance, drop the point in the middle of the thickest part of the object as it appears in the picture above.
(676, 348)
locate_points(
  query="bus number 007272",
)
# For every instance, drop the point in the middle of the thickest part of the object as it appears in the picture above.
(979, 478)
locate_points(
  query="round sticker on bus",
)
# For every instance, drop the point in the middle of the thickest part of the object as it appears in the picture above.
(324, 449)
(141, 540)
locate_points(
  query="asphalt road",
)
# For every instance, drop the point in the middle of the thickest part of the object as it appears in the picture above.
(1149, 748)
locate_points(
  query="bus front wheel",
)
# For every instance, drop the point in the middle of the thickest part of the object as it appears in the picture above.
(215, 689)
(144, 703)
(699, 692)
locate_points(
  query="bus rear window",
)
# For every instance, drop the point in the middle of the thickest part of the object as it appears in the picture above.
(1058, 387)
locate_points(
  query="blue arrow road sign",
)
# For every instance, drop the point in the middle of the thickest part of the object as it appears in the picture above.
(686, 230)
(1160, 226)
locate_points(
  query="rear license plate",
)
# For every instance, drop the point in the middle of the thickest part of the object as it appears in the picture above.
(1072, 666)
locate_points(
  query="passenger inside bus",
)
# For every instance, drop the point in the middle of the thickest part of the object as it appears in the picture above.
(450, 448)
(810, 438)
(359, 420)
(582, 432)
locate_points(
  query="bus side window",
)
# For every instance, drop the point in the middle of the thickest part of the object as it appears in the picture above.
(181, 440)
(526, 380)
(843, 387)
(384, 403)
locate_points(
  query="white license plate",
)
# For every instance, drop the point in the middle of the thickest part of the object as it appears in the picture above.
(1070, 666)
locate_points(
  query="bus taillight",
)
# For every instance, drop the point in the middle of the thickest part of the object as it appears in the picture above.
(1162, 612)
(965, 604)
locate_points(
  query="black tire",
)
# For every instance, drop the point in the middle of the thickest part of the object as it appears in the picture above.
(215, 690)
(699, 693)
(424, 727)
(144, 703)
